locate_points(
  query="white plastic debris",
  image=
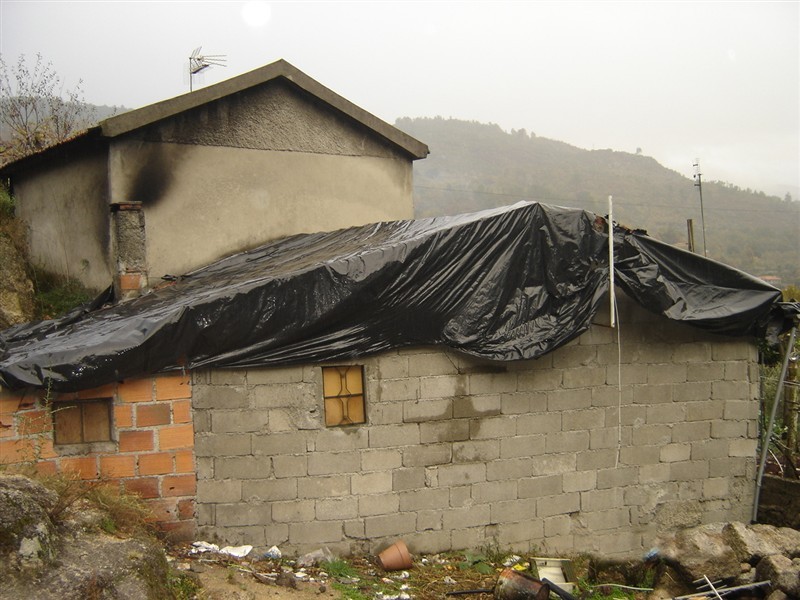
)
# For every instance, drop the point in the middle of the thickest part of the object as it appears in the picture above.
(201, 547)
(316, 557)
(236, 551)
(511, 560)
(449, 580)
(273, 553)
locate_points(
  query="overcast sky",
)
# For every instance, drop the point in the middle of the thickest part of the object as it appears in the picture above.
(717, 80)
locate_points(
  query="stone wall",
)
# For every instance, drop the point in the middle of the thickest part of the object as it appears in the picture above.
(458, 453)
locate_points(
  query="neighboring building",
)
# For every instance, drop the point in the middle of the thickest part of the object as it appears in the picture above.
(175, 185)
(450, 381)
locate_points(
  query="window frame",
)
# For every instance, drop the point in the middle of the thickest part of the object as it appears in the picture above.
(348, 416)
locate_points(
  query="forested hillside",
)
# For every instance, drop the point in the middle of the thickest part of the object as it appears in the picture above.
(474, 166)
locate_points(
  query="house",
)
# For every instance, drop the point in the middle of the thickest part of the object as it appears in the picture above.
(175, 185)
(453, 381)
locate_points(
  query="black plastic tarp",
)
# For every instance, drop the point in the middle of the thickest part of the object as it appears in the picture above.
(504, 284)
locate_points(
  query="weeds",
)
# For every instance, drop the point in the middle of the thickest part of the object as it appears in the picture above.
(57, 294)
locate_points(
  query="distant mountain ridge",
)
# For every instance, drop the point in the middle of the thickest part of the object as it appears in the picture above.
(473, 166)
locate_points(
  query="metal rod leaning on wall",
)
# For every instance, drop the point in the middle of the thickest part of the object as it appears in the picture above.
(768, 433)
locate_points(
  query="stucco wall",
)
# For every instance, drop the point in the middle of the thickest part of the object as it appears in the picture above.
(64, 206)
(204, 202)
(261, 164)
(459, 453)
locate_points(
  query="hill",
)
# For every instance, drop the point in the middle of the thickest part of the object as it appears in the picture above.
(473, 166)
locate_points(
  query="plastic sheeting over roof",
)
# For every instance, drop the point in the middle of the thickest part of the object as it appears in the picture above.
(504, 284)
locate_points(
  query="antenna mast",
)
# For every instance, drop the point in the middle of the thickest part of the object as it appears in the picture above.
(698, 183)
(198, 62)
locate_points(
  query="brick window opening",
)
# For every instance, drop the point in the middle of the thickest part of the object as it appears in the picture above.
(82, 422)
(343, 391)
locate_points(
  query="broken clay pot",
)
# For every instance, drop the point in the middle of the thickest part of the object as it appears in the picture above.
(395, 557)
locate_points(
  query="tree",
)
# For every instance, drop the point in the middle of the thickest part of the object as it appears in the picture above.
(35, 109)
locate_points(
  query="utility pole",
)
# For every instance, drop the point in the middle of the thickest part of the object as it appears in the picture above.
(698, 183)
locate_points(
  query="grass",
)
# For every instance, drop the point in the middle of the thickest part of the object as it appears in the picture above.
(57, 294)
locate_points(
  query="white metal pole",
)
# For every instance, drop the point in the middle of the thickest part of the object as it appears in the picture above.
(611, 296)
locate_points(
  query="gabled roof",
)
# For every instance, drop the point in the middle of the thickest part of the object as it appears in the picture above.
(504, 284)
(147, 115)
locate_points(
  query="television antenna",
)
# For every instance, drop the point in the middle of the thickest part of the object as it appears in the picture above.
(199, 62)
(698, 183)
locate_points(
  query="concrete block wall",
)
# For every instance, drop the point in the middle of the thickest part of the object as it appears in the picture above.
(595, 447)
(150, 454)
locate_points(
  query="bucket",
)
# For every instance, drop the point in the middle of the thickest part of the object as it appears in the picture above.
(395, 557)
(515, 585)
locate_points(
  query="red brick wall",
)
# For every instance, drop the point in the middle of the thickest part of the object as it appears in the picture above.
(152, 452)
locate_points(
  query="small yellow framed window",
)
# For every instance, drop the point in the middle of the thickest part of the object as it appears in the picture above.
(343, 391)
(82, 422)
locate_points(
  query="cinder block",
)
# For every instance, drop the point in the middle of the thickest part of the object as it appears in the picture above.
(553, 464)
(378, 504)
(693, 391)
(730, 390)
(691, 353)
(415, 411)
(616, 518)
(599, 500)
(689, 470)
(717, 487)
(477, 406)
(242, 467)
(568, 441)
(743, 448)
(653, 473)
(727, 467)
(427, 455)
(584, 377)
(540, 380)
(219, 492)
(341, 439)
(619, 477)
(227, 444)
(666, 373)
(542, 422)
(390, 367)
(557, 526)
(707, 449)
(611, 395)
(569, 399)
(733, 350)
(371, 483)
(444, 431)
(390, 525)
(282, 395)
(594, 459)
(384, 436)
(279, 443)
(520, 537)
(424, 499)
(512, 511)
(427, 365)
(648, 435)
(394, 390)
(273, 375)
(558, 505)
(331, 509)
(665, 413)
(460, 496)
(323, 487)
(220, 396)
(294, 511)
(729, 429)
(472, 516)
(239, 514)
(737, 371)
(522, 445)
(330, 463)
(707, 410)
(675, 452)
(587, 419)
(609, 437)
(476, 451)
(384, 413)
(267, 490)
(537, 487)
(579, 481)
(690, 432)
(315, 532)
(705, 371)
(743, 410)
(511, 468)
(454, 475)
(492, 383)
(408, 479)
(443, 386)
(238, 421)
(289, 466)
(574, 356)
(429, 520)
(381, 460)
(484, 493)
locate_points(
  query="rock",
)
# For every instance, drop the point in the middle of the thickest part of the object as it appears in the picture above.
(16, 289)
(777, 595)
(701, 551)
(751, 543)
(782, 572)
(26, 531)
